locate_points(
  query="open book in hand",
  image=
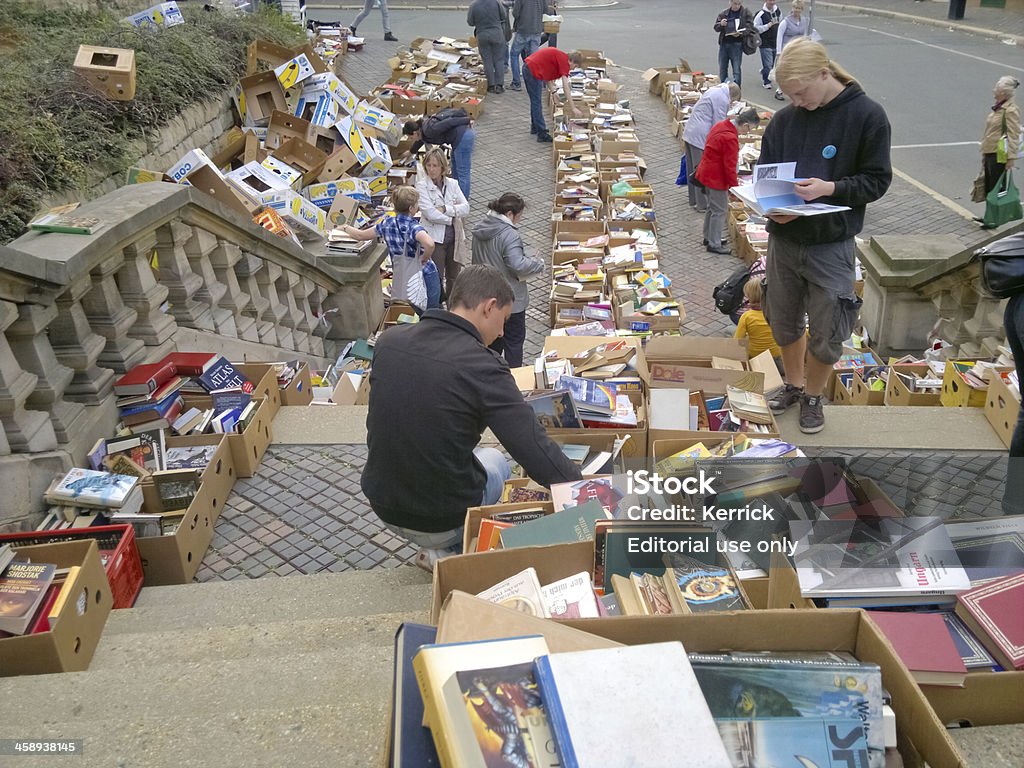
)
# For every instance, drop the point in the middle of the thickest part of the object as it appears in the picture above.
(774, 193)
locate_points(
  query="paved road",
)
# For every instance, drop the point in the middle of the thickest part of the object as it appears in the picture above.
(935, 83)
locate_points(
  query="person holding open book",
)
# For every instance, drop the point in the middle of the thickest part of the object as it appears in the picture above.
(435, 386)
(717, 173)
(730, 25)
(839, 140)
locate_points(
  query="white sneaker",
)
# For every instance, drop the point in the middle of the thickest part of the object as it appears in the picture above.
(427, 558)
(766, 86)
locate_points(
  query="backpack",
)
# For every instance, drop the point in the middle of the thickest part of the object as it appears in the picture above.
(728, 294)
(445, 114)
(751, 40)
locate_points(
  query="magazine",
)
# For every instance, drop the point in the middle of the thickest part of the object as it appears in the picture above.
(773, 193)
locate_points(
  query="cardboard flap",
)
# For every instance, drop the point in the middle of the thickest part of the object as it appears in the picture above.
(465, 618)
(765, 363)
(683, 348)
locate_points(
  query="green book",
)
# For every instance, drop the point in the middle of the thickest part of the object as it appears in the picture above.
(66, 223)
(569, 525)
(642, 548)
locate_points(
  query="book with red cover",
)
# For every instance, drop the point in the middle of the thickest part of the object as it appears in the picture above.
(923, 643)
(993, 611)
(144, 379)
(191, 363)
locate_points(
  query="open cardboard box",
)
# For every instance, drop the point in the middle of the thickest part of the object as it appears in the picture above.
(175, 559)
(475, 514)
(298, 391)
(69, 646)
(247, 448)
(896, 392)
(1002, 408)
(956, 393)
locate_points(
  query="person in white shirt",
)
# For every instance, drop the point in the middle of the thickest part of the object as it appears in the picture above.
(766, 22)
(790, 28)
(711, 108)
(443, 209)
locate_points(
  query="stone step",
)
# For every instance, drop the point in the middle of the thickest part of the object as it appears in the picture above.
(116, 697)
(309, 597)
(267, 640)
(273, 587)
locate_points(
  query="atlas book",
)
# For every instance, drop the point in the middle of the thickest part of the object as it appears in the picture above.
(521, 592)
(772, 685)
(222, 375)
(659, 713)
(905, 560)
(490, 709)
(993, 612)
(23, 587)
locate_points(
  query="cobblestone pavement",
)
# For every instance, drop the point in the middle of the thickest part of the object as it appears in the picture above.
(304, 513)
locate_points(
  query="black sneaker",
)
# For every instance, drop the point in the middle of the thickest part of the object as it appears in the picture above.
(812, 414)
(515, 87)
(352, 31)
(785, 397)
(388, 37)
(499, 89)
(544, 138)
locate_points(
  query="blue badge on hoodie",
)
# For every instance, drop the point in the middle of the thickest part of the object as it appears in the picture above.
(828, 152)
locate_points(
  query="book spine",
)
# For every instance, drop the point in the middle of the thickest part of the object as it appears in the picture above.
(553, 709)
(433, 713)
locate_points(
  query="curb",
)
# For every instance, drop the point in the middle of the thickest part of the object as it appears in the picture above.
(945, 23)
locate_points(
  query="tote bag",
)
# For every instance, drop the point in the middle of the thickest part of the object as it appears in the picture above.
(1003, 202)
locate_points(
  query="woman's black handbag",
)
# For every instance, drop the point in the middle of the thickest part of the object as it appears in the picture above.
(1002, 266)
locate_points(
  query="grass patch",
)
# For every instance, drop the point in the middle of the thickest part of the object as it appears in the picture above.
(57, 131)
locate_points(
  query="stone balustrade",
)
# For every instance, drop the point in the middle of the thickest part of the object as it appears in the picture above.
(916, 287)
(76, 311)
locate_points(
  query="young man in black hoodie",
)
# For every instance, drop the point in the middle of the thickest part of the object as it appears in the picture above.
(839, 140)
(434, 387)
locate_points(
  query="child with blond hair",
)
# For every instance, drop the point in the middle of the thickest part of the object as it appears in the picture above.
(754, 327)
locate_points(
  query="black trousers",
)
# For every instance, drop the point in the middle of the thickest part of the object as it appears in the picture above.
(993, 170)
(511, 343)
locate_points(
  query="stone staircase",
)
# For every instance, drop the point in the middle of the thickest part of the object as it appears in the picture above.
(293, 670)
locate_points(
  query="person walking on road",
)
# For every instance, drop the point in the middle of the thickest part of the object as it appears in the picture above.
(730, 26)
(385, 17)
(1003, 119)
(717, 172)
(790, 28)
(839, 140)
(712, 107)
(528, 27)
(766, 22)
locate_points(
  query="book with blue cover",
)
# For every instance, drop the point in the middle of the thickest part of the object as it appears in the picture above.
(795, 742)
(92, 488)
(223, 375)
(411, 743)
(589, 395)
(816, 685)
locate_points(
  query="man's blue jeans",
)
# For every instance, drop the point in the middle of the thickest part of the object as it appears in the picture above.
(767, 62)
(1013, 494)
(730, 53)
(535, 88)
(522, 46)
(462, 159)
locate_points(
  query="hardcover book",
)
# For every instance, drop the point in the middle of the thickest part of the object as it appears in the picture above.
(571, 524)
(770, 685)
(176, 488)
(223, 375)
(143, 379)
(411, 744)
(144, 448)
(190, 457)
(191, 363)
(93, 488)
(589, 395)
(555, 410)
(120, 464)
(989, 548)
(23, 587)
(521, 592)
(704, 588)
(659, 713)
(456, 732)
(571, 598)
(924, 645)
(993, 612)
(801, 742)
(972, 652)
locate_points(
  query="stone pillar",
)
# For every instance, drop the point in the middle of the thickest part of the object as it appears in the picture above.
(141, 291)
(198, 249)
(305, 295)
(25, 431)
(276, 312)
(31, 345)
(176, 273)
(109, 317)
(224, 258)
(247, 270)
(293, 317)
(78, 347)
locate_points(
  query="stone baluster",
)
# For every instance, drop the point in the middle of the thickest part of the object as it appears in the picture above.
(224, 258)
(141, 291)
(247, 270)
(198, 249)
(176, 273)
(276, 312)
(286, 285)
(305, 295)
(24, 431)
(78, 347)
(31, 345)
(109, 317)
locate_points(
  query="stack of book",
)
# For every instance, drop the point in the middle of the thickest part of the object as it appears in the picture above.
(32, 594)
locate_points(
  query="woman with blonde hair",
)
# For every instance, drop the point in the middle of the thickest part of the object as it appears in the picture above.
(839, 140)
(443, 209)
(790, 28)
(1003, 119)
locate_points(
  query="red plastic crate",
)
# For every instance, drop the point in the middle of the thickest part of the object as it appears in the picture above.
(117, 550)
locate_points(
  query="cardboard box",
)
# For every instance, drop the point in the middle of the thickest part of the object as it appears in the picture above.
(354, 139)
(385, 124)
(267, 52)
(987, 698)
(471, 528)
(307, 221)
(159, 16)
(295, 71)
(254, 180)
(864, 395)
(208, 179)
(1002, 409)
(302, 156)
(291, 176)
(284, 126)
(70, 645)
(189, 164)
(298, 391)
(842, 394)
(257, 97)
(922, 736)
(176, 559)
(323, 194)
(896, 392)
(347, 393)
(955, 391)
(247, 448)
(339, 163)
(379, 162)
(110, 70)
(685, 361)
